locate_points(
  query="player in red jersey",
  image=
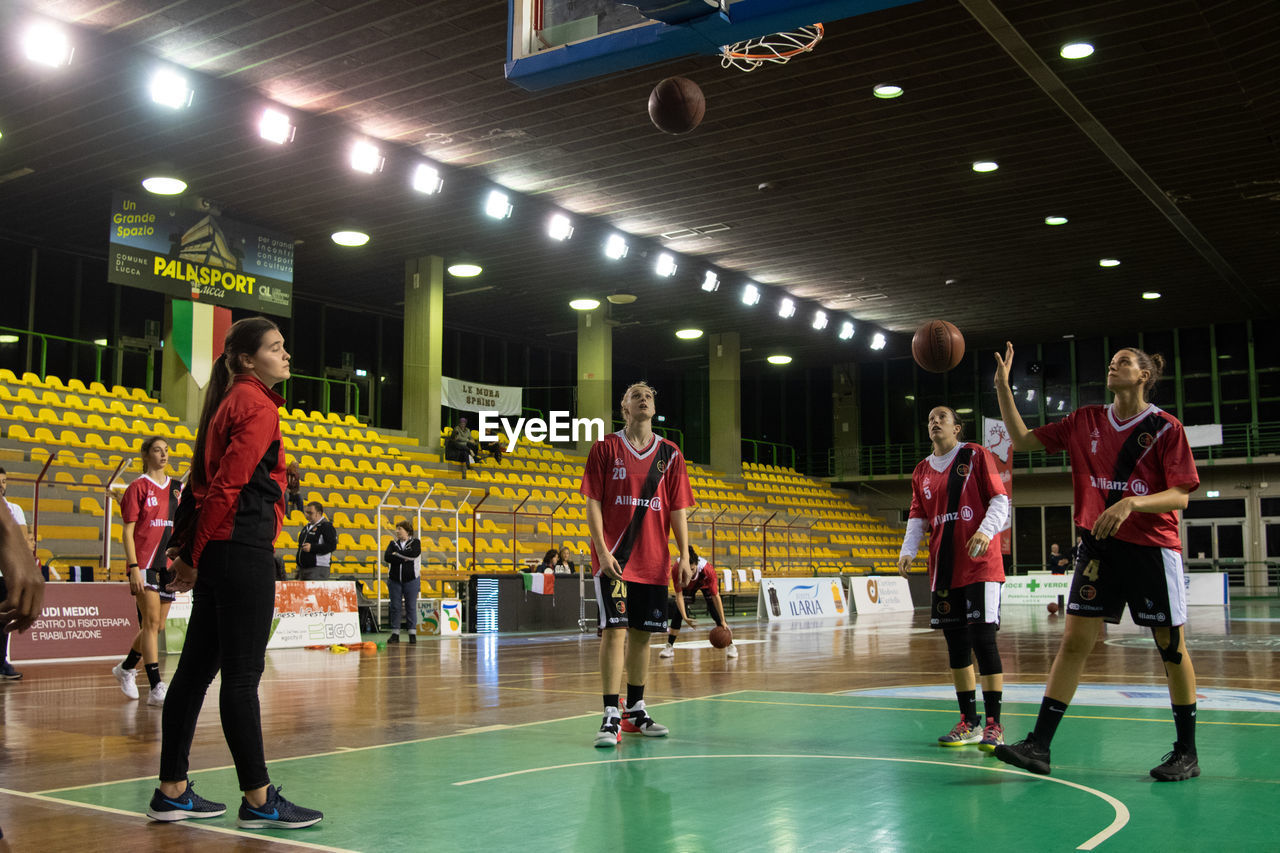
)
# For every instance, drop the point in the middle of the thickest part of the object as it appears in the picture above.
(637, 492)
(957, 497)
(148, 507)
(706, 579)
(1132, 471)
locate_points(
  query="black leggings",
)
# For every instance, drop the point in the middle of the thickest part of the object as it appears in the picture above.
(232, 607)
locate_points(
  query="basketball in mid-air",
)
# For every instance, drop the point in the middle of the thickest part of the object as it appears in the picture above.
(1053, 608)
(676, 105)
(720, 636)
(937, 346)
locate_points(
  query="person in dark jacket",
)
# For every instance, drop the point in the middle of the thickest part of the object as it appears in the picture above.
(293, 484)
(227, 520)
(402, 558)
(316, 543)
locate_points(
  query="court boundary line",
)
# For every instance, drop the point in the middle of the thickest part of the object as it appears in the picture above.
(1118, 822)
(191, 824)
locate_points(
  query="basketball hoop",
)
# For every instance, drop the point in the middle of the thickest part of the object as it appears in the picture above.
(778, 48)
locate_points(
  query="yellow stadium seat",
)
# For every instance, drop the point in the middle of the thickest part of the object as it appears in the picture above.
(99, 389)
(76, 386)
(7, 375)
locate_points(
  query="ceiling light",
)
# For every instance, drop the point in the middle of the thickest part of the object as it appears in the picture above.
(1055, 220)
(170, 89)
(1150, 294)
(1061, 403)
(47, 45)
(365, 157)
(878, 341)
(711, 282)
(1108, 262)
(985, 165)
(102, 342)
(615, 247)
(427, 180)
(820, 320)
(846, 330)
(1212, 493)
(750, 295)
(665, 265)
(779, 359)
(1031, 394)
(8, 339)
(158, 185)
(349, 238)
(621, 298)
(964, 411)
(886, 90)
(688, 334)
(498, 205)
(274, 126)
(584, 304)
(1076, 50)
(560, 227)
(787, 308)
(465, 270)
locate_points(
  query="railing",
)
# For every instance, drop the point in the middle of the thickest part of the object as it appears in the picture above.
(758, 448)
(325, 390)
(97, 349)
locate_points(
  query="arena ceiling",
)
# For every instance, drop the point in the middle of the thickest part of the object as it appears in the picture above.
(1162, 150)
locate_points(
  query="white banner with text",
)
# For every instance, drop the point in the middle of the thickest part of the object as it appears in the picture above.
(801, 598)
(880, 594)
(478, 397)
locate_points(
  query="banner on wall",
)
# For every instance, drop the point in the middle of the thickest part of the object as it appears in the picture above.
(79, 620)
(880, 594)
(801, 598)
(313, 613)
(199, 330)
(996, 439)
(158, 244)
(477, 397)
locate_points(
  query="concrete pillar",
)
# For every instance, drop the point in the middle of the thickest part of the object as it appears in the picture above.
(725, 396)
(846, 434)
(595, 370)
(423, 349)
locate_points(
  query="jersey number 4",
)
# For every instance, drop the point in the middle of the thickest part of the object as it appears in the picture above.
(1090, 571)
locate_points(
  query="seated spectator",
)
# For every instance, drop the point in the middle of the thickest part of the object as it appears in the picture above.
(563, 565)
(460, 447)
(548, 562)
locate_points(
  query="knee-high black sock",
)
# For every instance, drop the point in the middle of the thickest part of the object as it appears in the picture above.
(1051, 713)
(968, 700)
(991, 702)
(1184, 720)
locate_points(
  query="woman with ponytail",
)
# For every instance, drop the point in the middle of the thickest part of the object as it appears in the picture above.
(223, 547)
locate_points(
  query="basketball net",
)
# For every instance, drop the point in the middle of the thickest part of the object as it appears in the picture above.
(778, 48)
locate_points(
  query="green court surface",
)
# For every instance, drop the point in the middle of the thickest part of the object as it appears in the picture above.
(779, 772)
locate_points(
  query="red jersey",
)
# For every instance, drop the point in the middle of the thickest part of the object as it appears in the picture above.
(1111, 459)
(150, 507)
(705, 578)
(952, 502)
(637, 491)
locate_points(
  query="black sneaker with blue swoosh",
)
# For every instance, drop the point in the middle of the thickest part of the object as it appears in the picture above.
(276, 813)
(185, 806)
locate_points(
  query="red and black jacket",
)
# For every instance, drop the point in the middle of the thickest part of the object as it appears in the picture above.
(242, 499)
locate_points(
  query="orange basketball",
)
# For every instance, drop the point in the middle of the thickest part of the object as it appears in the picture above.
(676, 105)
(1053, 608)
(720, 636)
(937, 346)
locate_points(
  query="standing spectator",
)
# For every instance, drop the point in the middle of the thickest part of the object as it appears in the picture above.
(293, 485)
(1056, 561)
(7, 672)
(148, 507)
(228, 518)
(316, 543)
(404, 557)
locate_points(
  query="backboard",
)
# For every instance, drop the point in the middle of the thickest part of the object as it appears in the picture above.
(553, 42)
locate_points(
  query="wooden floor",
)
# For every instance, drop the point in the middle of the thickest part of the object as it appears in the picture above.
(69, 734)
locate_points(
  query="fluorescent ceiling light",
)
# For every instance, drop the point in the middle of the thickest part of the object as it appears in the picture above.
(750, 295)
(102, 342)
(158, 185)
(886, 90)
(1076, 50)
(274, 126)
(560, 227)
(665, 265)
(846, 330)
(615, 247)
(878, 341)
(349, 238)
(688, 334)
(820, 320)
(711, 282)
(787, 308)
(365, 157)
(465, 270)
(1151, 294)
(985, 165)
(1212, 493)
(498, 205)
(1108, 262)
(8, 339)
(1055, 220)
(965, 411)
(47, 45)
(427, 180)
(170, 89)
(584, 304)
(779, 359)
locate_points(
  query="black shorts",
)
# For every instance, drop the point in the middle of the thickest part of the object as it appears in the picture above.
(1111, 573)
(628, 604)
(673, 610)
(157, 580)
(974, 604)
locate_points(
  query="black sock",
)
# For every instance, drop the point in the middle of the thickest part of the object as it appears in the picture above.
(968, 700)
(671, 639)
(991, 701)
(1051, 713)
(130, 660)
(611, 700)
(153, 674)
(635, 693)
(1184, 720)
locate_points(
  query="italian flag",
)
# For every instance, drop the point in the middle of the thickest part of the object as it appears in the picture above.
(539, 582)
(198, 332)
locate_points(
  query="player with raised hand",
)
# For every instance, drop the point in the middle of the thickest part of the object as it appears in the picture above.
(1132, 470)
(957, 497)
(637, 493)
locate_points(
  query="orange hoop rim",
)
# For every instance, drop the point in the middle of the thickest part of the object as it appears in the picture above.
(772, 56)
